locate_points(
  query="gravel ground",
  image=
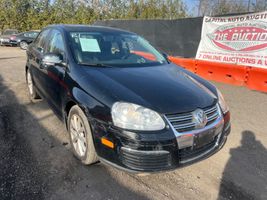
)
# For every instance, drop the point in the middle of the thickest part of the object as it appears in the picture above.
(36, 161)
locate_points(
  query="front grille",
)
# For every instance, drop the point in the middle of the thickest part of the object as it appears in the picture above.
(148, 145)
(143, 161)
(184, 122)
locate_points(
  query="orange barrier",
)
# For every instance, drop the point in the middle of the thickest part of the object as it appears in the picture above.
(146, 55)
(251, 77)
(189, 64)
(257, 79)
(221, 72)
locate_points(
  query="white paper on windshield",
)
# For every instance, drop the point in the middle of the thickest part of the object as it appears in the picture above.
(89, 45)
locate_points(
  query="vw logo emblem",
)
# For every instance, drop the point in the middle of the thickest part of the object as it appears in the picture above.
(200, 118)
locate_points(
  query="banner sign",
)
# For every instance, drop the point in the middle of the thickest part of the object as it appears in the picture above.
(239, 40)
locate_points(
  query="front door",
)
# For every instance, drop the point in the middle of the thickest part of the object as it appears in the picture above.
(54, 84)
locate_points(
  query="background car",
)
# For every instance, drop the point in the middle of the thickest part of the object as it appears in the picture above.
(7, 36)
(24, 39)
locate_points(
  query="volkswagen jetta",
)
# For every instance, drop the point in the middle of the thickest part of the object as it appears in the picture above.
(123, 102)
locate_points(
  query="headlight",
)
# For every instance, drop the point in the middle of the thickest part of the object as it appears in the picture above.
(222, 102)
(135, 117)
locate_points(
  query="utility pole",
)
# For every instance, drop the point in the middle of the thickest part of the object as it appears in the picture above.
(199, 7)
(249, 2)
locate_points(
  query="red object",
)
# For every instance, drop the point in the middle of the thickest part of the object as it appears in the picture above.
(146, 55)
(251, 77)
(250, 36)
(257, 79)
(13, 37)
(221, 72)
(189, 64)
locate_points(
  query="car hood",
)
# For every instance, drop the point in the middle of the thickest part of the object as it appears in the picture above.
(165, 89)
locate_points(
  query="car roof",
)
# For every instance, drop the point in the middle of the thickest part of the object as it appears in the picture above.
(10, 30)
(32, 31)
(82, 28)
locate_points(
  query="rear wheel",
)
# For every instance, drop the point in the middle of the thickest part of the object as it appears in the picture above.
(23, 45)
(31, 89)
(81, 138)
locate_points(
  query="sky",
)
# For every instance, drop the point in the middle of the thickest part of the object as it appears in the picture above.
(191, 3)
(192, 6)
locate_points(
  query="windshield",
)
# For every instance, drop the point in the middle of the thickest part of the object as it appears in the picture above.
(30, 34)
(113, 49)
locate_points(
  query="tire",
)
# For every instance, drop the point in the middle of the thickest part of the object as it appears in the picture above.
(31, 88)
(80, 135)
(23, 45)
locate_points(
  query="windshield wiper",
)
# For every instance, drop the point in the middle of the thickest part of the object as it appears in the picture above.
(95, 65)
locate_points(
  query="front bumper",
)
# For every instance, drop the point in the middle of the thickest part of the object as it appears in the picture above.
(155, 152)
(13, 42)
(8, 42)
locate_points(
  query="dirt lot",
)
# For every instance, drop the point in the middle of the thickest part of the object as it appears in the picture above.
(36, 161)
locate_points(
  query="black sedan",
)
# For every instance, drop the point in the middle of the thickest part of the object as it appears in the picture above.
(122, 101)
(23, 39)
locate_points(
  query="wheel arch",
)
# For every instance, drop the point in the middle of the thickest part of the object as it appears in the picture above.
(27, 67)
(26, 70)
(67, 107)
(86, 102)
(24, 41)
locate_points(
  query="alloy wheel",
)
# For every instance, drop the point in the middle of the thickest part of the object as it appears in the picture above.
(29, 82)
(78, 135)
(23, 45)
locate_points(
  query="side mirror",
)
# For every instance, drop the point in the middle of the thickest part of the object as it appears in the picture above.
(166, 56)
(51, 59)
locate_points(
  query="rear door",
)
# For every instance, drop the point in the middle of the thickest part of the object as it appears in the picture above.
(35, 56)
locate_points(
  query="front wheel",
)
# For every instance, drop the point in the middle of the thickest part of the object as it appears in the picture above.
(31, 89)
(23, 45)
(81, 138)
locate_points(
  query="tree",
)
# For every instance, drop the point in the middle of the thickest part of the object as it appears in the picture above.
(260, 5)
(36, 14)
(221, 7)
